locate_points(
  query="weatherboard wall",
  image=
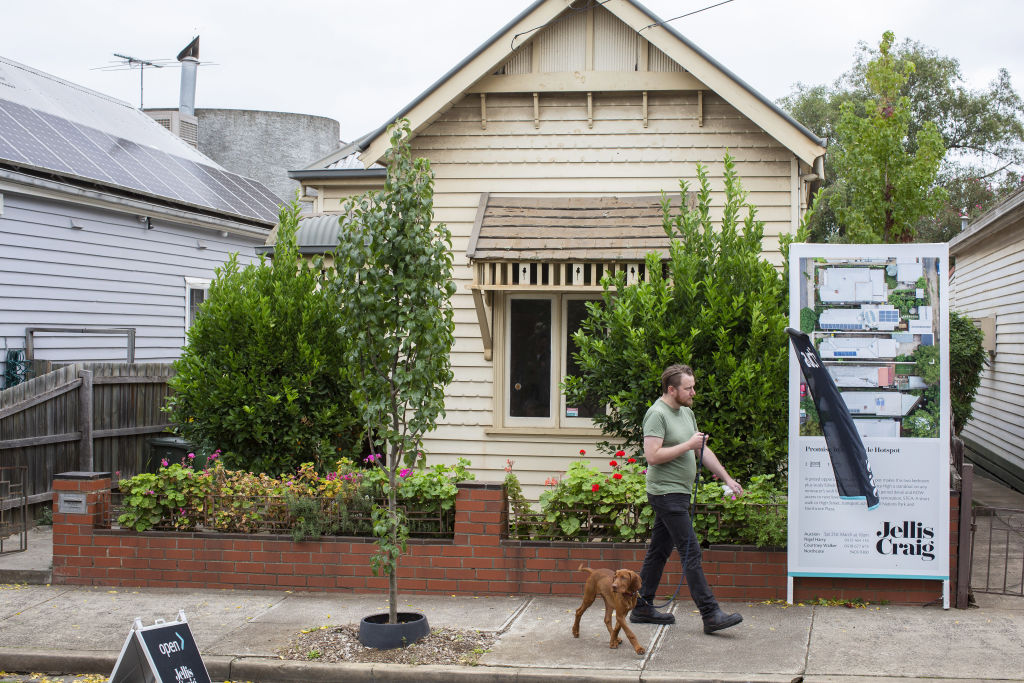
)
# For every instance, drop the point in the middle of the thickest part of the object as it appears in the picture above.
(564, 157)
(110, 272)
(989, 282)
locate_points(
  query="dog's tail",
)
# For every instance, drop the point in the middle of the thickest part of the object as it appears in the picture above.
(583, 568)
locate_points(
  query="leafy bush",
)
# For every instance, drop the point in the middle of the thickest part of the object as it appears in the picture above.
(808, 320)
(721, 308)
(967, 359)
(757, 518)
(612, 506)
(305, 502)
(261, 374)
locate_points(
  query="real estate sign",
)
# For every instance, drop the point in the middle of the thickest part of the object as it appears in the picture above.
(878, 318)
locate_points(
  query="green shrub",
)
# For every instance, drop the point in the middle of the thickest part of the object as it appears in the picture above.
(808, 320)
(261, 374)
(612, 506)
(720, 308)
(758, 518)
(967, 359)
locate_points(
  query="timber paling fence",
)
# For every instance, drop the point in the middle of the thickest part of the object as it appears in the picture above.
(88, 417)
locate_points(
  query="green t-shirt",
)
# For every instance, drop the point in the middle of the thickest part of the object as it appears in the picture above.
(673, 427)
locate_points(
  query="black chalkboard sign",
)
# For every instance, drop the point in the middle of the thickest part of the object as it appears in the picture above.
(165, 652)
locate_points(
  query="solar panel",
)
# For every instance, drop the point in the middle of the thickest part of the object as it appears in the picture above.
(41, 140)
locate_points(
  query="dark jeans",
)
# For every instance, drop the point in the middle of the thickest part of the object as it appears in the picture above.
(672, 529)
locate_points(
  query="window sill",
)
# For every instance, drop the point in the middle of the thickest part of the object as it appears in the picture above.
(543, 431)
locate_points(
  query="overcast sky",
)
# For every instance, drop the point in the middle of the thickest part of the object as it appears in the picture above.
(361, 61)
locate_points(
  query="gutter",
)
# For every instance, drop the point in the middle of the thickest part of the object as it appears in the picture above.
(12, 181)
(307, 174)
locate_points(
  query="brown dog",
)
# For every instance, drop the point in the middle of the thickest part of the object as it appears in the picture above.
(619, 591)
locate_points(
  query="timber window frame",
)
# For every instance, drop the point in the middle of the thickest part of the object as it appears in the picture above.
(196, 292)
(512, 368)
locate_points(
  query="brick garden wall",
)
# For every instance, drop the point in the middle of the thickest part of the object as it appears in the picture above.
(478, 560)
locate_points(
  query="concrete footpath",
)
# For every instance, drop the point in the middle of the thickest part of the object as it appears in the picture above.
(66, 629)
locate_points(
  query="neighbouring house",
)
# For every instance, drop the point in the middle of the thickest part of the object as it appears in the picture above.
(551, 144)
(867, 317)
(987, 284)
(863, 376)
(887, 403)
(864, 348)
(110, 226)
(852, 285)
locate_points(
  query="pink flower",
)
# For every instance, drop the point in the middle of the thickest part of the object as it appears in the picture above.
(595, 487)
(617, 475)
(405, 473)
(734, 497)
(151, 492)
(191, 456)
(163, 462)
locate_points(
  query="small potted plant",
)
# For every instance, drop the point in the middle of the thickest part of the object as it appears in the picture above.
(393, 290)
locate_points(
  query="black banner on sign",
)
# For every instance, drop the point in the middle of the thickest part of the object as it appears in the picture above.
(845, 448)
(163, 653)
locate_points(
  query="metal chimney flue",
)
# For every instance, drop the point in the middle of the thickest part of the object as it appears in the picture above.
(189, 58)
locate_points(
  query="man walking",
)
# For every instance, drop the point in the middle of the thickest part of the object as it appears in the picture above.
(671, 440)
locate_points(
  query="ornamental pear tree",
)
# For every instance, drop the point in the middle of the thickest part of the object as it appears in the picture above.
(888, 178)
(393, 291)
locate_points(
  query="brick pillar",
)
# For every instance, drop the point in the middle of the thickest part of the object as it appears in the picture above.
(80, 503)
(479, 513)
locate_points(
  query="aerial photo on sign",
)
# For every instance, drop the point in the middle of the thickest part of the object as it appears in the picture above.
(874, 323)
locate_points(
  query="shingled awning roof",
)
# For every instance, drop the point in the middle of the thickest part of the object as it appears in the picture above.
(603, 229)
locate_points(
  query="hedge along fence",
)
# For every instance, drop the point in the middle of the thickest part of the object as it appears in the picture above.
(478, 560)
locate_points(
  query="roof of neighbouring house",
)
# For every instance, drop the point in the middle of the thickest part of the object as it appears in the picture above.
(1005, 214)
(53, 127)
(315, 235)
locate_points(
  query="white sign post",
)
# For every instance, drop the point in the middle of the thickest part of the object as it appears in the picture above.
(878, 317)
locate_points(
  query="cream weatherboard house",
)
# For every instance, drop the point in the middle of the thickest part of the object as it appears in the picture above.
(551, 144)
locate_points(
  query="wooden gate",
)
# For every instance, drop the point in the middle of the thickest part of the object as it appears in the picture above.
(89, 417)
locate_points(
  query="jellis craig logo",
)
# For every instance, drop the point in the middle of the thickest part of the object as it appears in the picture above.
(906, 538)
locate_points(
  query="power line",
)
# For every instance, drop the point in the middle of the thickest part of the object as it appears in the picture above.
(567, 15)
(688, 14)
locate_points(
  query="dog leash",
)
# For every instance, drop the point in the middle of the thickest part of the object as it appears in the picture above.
(686, 552)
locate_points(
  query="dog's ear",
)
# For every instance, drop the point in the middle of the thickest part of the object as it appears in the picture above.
(634, 582)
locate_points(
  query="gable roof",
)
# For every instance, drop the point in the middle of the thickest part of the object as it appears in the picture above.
(498, 48)
(50, 126)
(1007, 213)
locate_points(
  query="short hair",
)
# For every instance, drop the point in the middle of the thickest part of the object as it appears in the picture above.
(673, 374)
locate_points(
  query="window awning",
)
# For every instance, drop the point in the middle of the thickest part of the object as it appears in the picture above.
(565, 244)
(568, 229)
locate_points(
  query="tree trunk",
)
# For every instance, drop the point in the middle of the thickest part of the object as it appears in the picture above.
(393, 576)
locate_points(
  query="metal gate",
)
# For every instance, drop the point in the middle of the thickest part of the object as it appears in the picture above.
(997, 550)
(13, 509)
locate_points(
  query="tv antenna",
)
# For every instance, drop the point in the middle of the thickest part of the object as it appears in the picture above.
(129, 62)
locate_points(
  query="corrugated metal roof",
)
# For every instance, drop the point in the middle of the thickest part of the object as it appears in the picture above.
(52, 127)
(315, 235)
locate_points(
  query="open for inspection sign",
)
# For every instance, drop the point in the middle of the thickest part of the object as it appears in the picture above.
(165, 652)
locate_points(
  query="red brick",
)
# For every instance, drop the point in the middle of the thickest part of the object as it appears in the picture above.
(295, 557)
(291, 580)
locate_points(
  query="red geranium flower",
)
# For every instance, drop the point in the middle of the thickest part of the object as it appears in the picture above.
(595, 487)
(617, 475)
(631, 460)
(614, 463)
(582, 452)
(620, 454)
